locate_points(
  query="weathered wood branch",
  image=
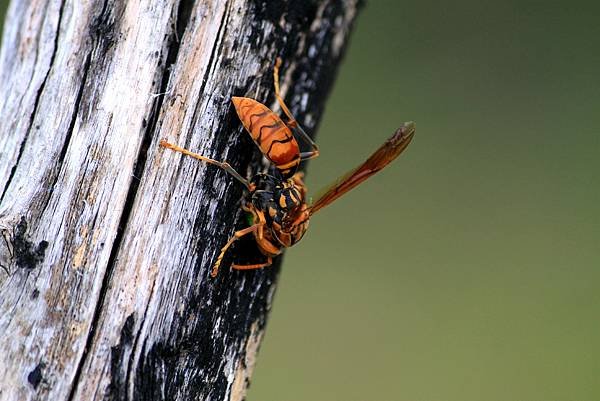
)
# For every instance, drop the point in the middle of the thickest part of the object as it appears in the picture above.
(107, 241)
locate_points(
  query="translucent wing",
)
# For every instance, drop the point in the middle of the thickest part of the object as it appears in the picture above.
(378, 160)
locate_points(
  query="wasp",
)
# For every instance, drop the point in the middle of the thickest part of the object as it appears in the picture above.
(276, 201)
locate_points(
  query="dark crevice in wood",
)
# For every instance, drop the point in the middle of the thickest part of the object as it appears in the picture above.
(184, 11)
(117, 388)
(38, 96)
(105, 27)
(219, 43)
(20, 153)
(136, 341)
(209, 66)
(63, 151)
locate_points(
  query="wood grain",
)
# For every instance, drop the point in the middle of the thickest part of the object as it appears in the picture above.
(107, 241)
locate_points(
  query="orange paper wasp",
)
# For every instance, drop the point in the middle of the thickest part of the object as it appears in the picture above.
(277, 201)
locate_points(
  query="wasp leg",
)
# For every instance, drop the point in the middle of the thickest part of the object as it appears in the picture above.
(256, 266)
(292, 123)
(225, 166)
(260, 216)
(309, 155)
(237, 235)
(277, 93)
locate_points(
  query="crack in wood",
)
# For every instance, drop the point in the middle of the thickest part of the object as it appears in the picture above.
(35, 105)
(69, 133)
(117, 389)
(132, 354)
(211, 61)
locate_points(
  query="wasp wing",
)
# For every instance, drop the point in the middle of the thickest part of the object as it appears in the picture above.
(378, 160)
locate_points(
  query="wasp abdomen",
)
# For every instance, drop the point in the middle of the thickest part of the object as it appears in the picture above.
(270, 134)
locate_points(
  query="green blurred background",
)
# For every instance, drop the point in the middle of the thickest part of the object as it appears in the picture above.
(469, 269)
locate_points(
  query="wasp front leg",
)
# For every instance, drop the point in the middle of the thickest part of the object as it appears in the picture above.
(259, 234)
(237, 235)
(292, 123)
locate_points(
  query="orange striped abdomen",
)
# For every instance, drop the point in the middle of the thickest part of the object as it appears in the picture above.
(270, 134)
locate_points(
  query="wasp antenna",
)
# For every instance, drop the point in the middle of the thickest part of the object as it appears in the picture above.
(224, 165)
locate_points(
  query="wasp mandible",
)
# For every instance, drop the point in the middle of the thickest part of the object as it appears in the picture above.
(276, 202)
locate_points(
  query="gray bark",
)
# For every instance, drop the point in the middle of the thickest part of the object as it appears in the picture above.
(107, 241)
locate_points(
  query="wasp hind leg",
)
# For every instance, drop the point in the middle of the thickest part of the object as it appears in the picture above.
(255, 266)
(224, 165)
(292, 123)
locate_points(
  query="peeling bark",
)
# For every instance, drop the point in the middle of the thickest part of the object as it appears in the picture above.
(107, 241)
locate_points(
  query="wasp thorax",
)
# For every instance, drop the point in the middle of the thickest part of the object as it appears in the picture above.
(278, 199)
